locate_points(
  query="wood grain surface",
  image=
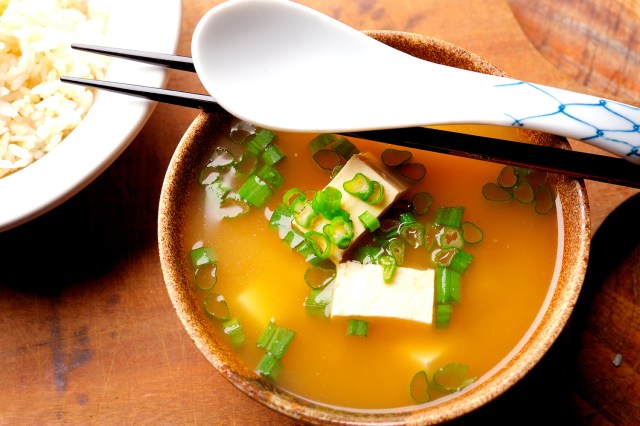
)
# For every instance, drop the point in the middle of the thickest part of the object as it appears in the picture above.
(88, 334)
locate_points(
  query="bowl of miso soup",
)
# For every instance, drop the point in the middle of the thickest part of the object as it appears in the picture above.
(343, 281)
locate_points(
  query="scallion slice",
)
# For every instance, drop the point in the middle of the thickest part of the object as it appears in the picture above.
(320, 243)
(202, 256)
(266, 335)
(523, 192)
(419, 387)
(232, 207)
(359, 186)
(241, 132)
(272, 155)
(339, 231)
(316, 302)
(318, 277)
(357, 327)
(368, 254)
(270, 175)
(422, 202)
(453, 377)
(234, 330)
(255, 191)
(471, 233)
(206, 276)
(269, 366)
(345, 148)
(216, 306)
(394, 157)
(492, 192)
(327, 201)
(443, 315)
(221, 159)
(321, 141)
(369, 221)
(291, 196)
(412, 171)
(450, 237)
(443, 257)
(247, 164)
(377, 193)
(260, 141)
(413, 234)
(280, 341)
(545, 199)
(449, 216)
(508, 177)
(327, 159)
(303, 213)
(396, 247)
(461, 261)
(389, 266)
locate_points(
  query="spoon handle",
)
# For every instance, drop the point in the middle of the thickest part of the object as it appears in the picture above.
(606, 124)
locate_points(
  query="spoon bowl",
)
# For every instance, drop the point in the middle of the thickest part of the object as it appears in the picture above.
(284, 66)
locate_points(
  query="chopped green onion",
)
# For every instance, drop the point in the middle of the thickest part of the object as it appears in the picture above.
(303, 213)
(321, 141)
(320, 243)
(545, 199)
(430, 235)
(247, 164)
(242, 131)
(368, 254)
(327, 159)
(309, 252)
(272, 155)
(422, 202)
(396, 247)
(318, 277)
(449, 216)
(443, 257)
(394, 157)
(269, 366)
(357, 327)
(339, 231)
(216, 306)
(202, 256)
(450, 237)
(443, 315)
(345, 148)
(260, 141)
(406, 217)
(208, 176)
(471, 233)
(461, 261)
(217, 190)
(412, 171)
(359, 186)
(291, 196)
(206, 276)
(442, 286)
(267, 334)
(255, 191)
(232, 207)
(453, 377)
(419, 387)
(413, 234)
(327, 201)
(389, 265)
(493, 192)
(233, 329)
(270, 175)
(336, 170)
(523, 192)
(369, 221)
(317, 301)
(377, 193)
(280, 341)
(221, 159)
(508, 177)
(388, 228)
(293, 238)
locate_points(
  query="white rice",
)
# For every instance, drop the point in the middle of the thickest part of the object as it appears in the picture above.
(37, 111)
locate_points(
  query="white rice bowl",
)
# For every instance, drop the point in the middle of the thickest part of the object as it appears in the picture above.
(38, 113)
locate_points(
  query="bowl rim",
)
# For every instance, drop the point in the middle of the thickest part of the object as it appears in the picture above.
(109, 126)
(572, 198)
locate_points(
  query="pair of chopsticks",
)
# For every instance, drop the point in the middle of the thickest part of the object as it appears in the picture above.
(554, 160)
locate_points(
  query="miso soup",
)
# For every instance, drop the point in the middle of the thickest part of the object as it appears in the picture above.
(260, 271)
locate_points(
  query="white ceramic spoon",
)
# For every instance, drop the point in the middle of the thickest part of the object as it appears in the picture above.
(284, 66)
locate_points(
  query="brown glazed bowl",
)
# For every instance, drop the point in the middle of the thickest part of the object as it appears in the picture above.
(574, 228)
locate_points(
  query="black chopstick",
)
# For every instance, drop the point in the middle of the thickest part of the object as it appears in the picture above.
(567, 162)
(183, 63)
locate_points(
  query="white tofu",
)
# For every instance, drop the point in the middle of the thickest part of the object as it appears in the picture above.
(360, 291)
(363, 163)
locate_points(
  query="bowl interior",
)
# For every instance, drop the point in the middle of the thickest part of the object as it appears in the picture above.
(573, 230)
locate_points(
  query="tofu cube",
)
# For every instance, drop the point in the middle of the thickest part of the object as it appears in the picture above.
(360, 291)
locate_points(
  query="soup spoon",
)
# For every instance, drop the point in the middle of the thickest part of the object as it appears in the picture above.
(284, 66)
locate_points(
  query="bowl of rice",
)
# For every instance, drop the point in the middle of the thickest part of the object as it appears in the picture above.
(55, 138)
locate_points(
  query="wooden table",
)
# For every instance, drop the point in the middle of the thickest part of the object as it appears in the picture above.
(87, 332)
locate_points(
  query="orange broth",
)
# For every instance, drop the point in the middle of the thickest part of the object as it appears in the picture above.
(503, 290)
